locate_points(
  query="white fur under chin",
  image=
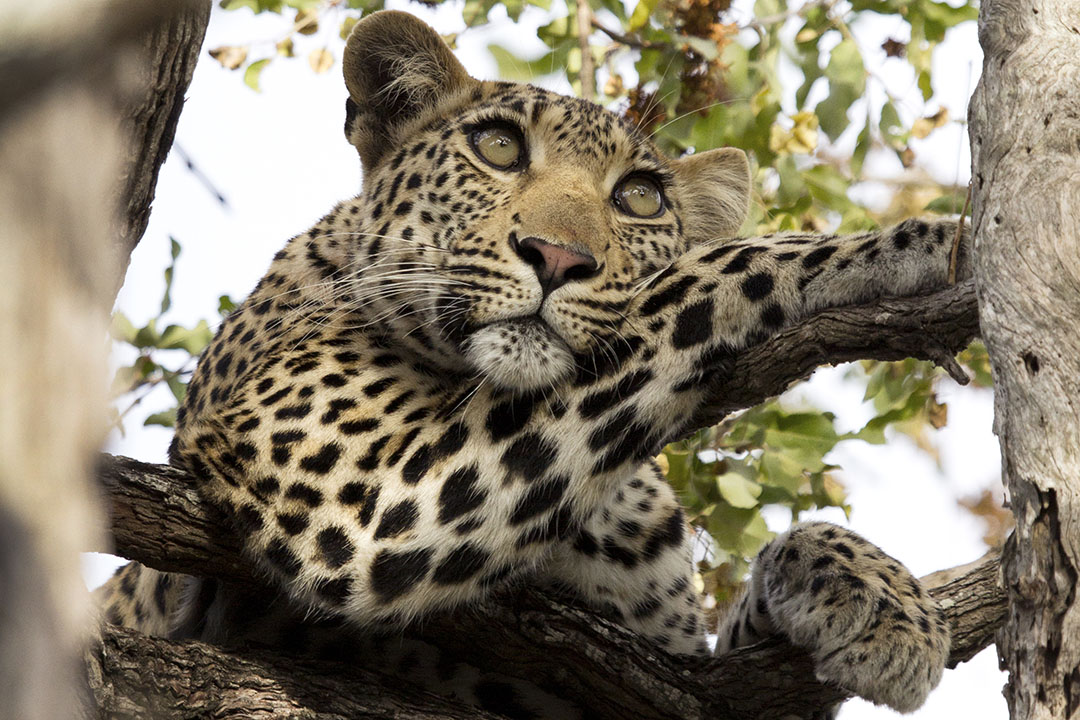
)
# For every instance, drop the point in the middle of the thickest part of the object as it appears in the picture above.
(519, 355)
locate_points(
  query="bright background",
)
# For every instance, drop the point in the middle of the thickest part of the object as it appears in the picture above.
(281, 161)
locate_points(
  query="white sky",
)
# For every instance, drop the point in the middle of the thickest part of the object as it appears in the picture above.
(280, 159)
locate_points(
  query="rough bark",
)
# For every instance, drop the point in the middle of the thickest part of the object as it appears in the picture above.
(933, 327)
(526, 633)
(135, 676)
(1025, 136)
(164, 68)
(66, 73)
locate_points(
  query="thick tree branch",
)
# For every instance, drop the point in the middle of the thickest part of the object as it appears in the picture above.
(929, 327)
(135, 676)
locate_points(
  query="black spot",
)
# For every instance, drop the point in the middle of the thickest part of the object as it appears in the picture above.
(772, 316)
(672, 293)
(693, 325)
(741, 261)
(646, 608)
(597, 403)
(271, 399)
(402, 447)
(323, 461)
(629, 528)
(510, 416)
(619, 554)
(817, 584)
(462, 563)
(248, 425)
(668, 534)
(370, 461)
(305, 494)
(612, 429)
(355, 427)
(244, 451)
(417, 466)
(822, 562)
(161, 587)
(459, 494)
(818, 256)
(379, 386)
(397, 519)
(451, 441)
(844, 550)
(586, 544)
(394, 573)
(540, 498)
(333, 380)
(757, 286)
(334, 591)
(335, 547)
(529, 456)
(293, 523)
(282, 558)
(265, 487)
(336, 407)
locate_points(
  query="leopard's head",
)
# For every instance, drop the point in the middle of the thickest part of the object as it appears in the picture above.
(509, 227)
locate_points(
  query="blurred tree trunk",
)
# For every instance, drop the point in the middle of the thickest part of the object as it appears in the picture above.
(1025, 136)
(83, 130)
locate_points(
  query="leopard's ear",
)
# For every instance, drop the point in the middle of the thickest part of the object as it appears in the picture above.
(715, 190)
(397, 70)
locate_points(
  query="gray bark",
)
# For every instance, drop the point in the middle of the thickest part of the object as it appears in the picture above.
(64, 77)
(1025, 135)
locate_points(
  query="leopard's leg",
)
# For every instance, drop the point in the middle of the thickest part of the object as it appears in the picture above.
(870, 626)
(632, 560)
(143, 599)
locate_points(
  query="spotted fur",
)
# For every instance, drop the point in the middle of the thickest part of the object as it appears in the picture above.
(403, 416)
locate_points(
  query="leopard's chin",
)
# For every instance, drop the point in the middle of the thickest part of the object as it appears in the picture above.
(519, 355)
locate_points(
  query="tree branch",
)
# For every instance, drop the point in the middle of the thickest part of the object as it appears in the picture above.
(929, 327)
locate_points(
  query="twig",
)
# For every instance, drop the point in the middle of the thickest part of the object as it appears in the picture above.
(588, 67)
(954, 254)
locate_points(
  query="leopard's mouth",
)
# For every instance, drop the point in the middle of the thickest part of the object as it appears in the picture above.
(519, 354)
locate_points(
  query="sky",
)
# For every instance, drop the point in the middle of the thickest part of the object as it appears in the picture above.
(281, 161)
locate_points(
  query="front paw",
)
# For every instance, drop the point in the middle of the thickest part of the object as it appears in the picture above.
(870, 626)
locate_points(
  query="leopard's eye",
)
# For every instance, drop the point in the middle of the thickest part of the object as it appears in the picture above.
(640, 196)
(499, 145)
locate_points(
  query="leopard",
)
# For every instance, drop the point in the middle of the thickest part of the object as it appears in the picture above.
(459, 380)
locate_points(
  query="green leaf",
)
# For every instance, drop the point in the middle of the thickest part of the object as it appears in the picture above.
(225, 305)
(165, 419)
(256, 6)
(251, 74)
(192, 340)
(512, 67)
(948, 204)
(737, 490)
(847, 82)
(166, 299)
(177, 386)
(121, 328)
(642, 12)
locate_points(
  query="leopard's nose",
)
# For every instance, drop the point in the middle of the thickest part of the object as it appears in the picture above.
(555, 265)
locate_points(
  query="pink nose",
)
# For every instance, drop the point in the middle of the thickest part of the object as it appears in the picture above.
(555, 265)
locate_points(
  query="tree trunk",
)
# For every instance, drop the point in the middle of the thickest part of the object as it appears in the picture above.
(65, 78)
(1025, 136)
